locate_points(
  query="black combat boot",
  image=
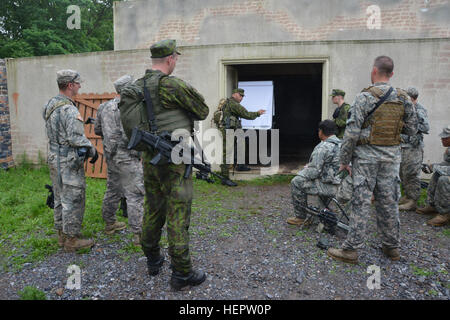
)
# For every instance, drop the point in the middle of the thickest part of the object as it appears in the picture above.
(242, 167)
(154, 264)
(179, 281)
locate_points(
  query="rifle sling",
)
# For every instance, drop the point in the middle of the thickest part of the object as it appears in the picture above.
(380, 102)
(150, 113)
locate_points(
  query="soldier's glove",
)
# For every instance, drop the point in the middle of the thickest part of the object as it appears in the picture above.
(95, 156)
(426, 168)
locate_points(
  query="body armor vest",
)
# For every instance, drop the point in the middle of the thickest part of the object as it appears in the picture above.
(166, 119)
(386, 122)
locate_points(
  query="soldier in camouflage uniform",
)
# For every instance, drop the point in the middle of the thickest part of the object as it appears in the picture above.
(318, 176)
(341, 113)
(372, 144)
(176, 105)
(232, 112)
(412, 156)
(439, 188)
(125, 175)
(68, 149)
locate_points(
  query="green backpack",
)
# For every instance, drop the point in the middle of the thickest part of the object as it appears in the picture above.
(218, 115)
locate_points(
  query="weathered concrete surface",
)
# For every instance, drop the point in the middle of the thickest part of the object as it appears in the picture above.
(139, 23)
(420, 63)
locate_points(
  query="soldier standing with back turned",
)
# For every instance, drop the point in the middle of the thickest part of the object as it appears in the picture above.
(176, 105)
(125, 176)
(68, 149)
(372, 143)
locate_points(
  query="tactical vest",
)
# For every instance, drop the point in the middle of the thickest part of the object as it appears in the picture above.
(386, 122)
(166, 119)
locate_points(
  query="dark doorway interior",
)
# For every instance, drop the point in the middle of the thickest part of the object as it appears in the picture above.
(298, 106)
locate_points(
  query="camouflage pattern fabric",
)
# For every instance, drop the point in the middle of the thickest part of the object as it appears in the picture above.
(125, 174)
(318, 176)
(164, 48)
(232, 112)
(423, 127)
(438, 194)
(168, 195)
(341, 119)
(375, 170)
(410, 168)
(65, 131)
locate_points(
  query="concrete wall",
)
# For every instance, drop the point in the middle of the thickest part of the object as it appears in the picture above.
(139, 23)
(6, 158)
(424, 64)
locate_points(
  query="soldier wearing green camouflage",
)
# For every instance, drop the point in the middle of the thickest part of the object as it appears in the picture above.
(233, 111)
(68, 148)
(176, 105)
(340, 115)
(374, 153)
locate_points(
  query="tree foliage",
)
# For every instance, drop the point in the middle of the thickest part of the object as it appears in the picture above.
(39, 27)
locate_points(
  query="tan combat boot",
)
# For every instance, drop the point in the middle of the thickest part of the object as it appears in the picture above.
(403, 199)
(61, 238)
(297, 221)
(426, 210)
(72, 243)
(349, 256)
(137, 239)
(440, 220)
(113, 227)
(391, 253)
(408, 205)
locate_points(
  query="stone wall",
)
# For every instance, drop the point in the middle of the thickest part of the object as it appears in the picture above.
(6, 158)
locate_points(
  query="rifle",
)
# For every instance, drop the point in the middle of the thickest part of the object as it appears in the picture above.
(164, 145)
(90, 120)
(51, 197)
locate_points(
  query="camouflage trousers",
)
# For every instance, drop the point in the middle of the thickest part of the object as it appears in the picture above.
(168, 200)
(439, 193)
(125, 179)
(410, 168)
(229, 153)
(380, 179)
(69, 192)
(301, 187)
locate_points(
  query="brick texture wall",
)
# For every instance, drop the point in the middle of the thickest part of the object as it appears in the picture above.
(6, 159)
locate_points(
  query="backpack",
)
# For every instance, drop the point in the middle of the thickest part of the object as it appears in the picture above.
(218, 115)
(133, 111)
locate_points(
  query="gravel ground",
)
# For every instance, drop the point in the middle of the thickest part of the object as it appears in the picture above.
(249, 252)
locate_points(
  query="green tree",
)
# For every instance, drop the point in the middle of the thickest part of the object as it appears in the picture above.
(39, 27)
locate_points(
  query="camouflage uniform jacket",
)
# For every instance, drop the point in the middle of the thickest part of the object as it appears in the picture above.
(367, 153)
(324, 162)
(443, 168)
(423, 128)
(109, 126)
(233, 111)
(340, 118)
(64, 125)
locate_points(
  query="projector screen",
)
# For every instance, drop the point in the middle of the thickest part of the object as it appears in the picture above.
(258, 95)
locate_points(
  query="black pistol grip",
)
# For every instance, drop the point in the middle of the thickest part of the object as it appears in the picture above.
(135, 139)
(188, 171)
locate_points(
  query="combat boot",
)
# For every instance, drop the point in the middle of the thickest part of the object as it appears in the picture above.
(440, 220)
(113, 227)
(297, 221)
(180, 281)
(137, 239)
(154, 264)
(242, 167)
(426, 210)
(349, 256)
(391, 253)
(61, 238)
(408, 205)
(402, 200)
(72, 243)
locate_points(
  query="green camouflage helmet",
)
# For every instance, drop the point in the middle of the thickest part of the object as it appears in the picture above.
(239, 90)
(164, 48)
(337, 92)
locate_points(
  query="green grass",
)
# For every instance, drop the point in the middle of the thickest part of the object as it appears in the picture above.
(421, 272)
(31, 293)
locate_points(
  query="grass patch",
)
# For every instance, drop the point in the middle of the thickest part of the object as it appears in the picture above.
(31, 293)
(421, 272)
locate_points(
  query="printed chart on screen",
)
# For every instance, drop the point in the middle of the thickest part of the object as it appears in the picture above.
(258, 95)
